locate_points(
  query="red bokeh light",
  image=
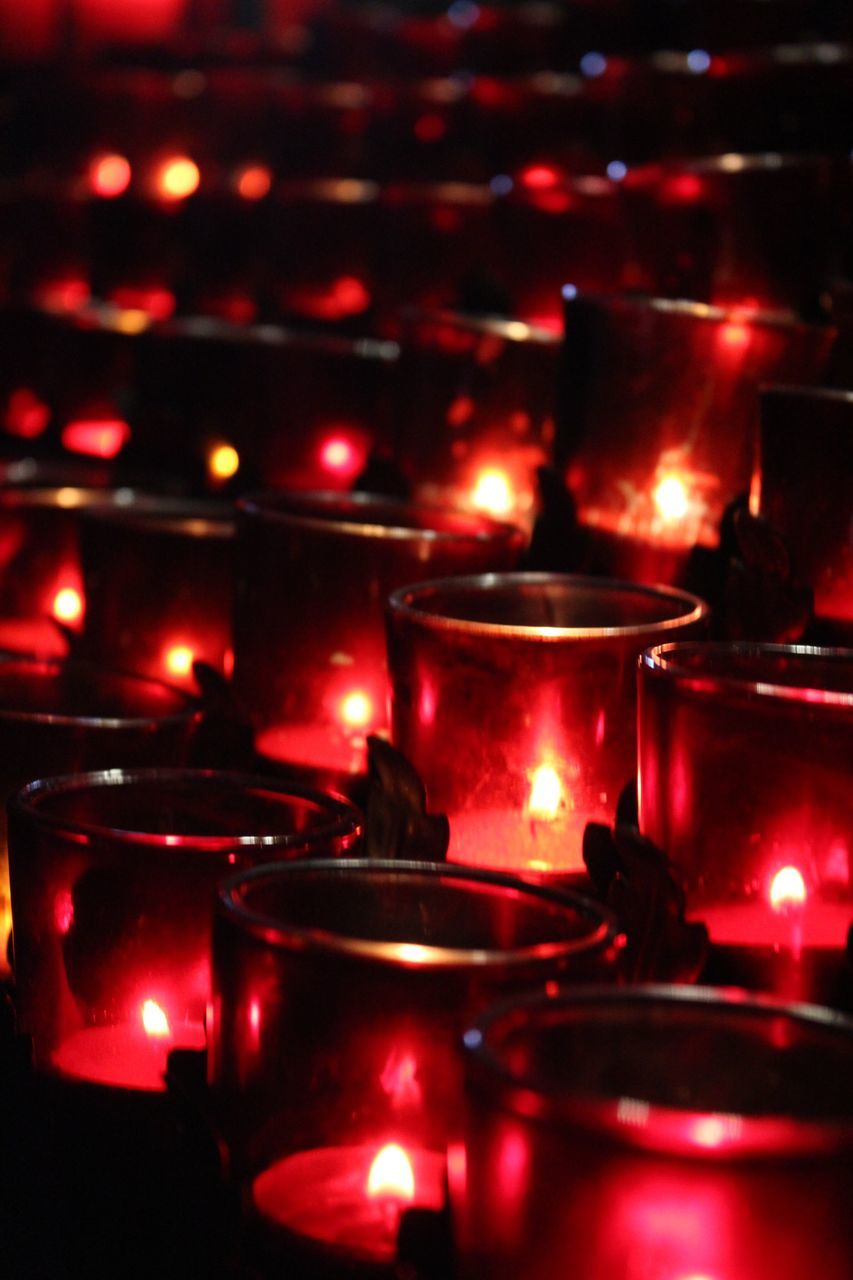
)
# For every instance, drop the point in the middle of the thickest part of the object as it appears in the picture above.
(96, 438)
(109, 175)
(26, 415)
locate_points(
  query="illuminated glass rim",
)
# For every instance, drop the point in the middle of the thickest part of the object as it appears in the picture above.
(666, 662)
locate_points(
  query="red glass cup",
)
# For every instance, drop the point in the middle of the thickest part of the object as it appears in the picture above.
(313, 573)
(660, 420)
(61, 717)
(113, 878)
(804, 488)
(340, 990)
(744, 775)
(658, 1131)
(531, 678)
(158, 577)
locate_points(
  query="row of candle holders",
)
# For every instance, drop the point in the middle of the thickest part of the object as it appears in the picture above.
(336, 992)
(339, 250)
(598, 105)
(463, 412)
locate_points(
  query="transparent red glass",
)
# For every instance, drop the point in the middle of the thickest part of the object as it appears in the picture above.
(744, 774)
(158, 579)
(113, 877)
(340, 990)
(514, 697)
(313, 573)
(662, 1132)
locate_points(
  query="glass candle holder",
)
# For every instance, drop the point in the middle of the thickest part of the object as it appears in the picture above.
(369, 967)
(314, 571)
(744, 757)
(803, 488)
(660, 420)
(478, 407)
(514, 697)
(113, 876)
(39, 550)
(662, 1132)
(158, 578)
(63, 717)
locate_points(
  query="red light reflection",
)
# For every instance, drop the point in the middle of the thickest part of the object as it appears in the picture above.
(96, 438)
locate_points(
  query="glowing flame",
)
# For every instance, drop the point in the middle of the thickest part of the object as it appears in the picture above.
(735, 334)
(179, 660)
(109, 175)
(391, 1174)
(670, 497)
(254, 182)
(546, 793)
(154, 1020)
(493, 492)
(177, 178)
(223, 462)
(787, 889)
(356, 710)
(339, 456)
(67, 605)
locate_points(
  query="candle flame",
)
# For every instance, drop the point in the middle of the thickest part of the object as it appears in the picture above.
(154, 1020)
(338, 455)
(178, 178)
(223, 462)
(787, 889)
(546, 793)
(391, 1174)
(492, 492)
(179, 660)
(356, 710)
(110, 175)
(67, 605)
(670, 497)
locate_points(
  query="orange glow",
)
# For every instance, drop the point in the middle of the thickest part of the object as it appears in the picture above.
(223, 462)
(391, 1174)
(735, 334)
(338, 455)
(787, 889)
(492, 492)
(153, 302)
(179, 660)
(154, 1020)
(254, 182)
(670, 497)
(67, 605)
(177, 178)
(356, 710)
(26, 415)
(350, 295)
(546, 793)
(96, 438)
(539, 177)
(109, 175)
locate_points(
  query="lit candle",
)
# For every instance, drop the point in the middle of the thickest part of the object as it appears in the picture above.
(129, 1055)
(349, 1199)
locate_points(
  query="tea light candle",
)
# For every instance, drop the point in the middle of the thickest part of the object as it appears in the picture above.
(130, 1055)
(530, 677)
(761, 832)
(348, 1200)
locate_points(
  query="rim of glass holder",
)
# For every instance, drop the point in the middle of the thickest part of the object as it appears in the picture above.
(402, 603)
(652, 1126)
(191, 517)
(345, 819)
(662, 662)
(409, 955)
(314, 509)
(186, 708)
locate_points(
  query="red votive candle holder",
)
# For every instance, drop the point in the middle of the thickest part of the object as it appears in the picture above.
(660, 420)
(113, 876)
(367, 968)
(313, 573)
(744, 778)
(804, 488)
(66, 716)
(514, 697)
(158, 578)
(676, 1134)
